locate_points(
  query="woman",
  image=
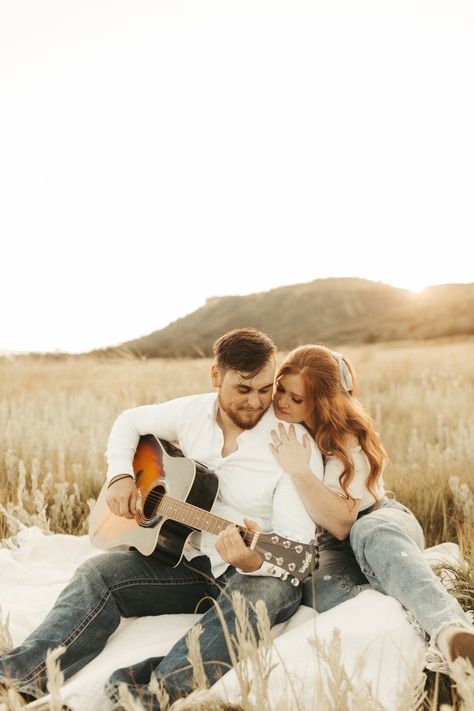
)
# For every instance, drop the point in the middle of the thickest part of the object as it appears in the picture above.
(379, 541)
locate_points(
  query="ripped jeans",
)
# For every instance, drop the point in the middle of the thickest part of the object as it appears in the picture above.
(383, 552)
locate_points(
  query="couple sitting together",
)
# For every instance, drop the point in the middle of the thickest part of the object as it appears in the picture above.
(294, 452)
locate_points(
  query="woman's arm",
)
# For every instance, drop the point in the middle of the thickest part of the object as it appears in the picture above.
(329, 509)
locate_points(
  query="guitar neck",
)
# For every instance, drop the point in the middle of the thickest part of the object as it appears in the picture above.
(197, 518)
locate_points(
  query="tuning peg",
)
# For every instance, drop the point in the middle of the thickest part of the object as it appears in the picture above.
(295, 582)
(291, 567)
(286, 544)
(275, 539)
(268, 556)
(279, 561)
(299, 548)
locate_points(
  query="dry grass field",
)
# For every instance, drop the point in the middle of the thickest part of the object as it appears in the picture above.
(55, 416)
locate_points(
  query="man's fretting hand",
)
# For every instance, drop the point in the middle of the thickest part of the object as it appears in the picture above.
(122, 497)
(231, 547)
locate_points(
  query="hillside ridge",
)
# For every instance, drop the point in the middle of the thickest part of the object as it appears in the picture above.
(333, 311)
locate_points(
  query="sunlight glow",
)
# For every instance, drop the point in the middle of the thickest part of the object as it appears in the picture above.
(154, 158)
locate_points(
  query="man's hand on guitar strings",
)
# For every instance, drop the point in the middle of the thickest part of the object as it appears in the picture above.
(231, 547)
(122, 497)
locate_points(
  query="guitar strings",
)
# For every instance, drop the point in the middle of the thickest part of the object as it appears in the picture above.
(158, 498)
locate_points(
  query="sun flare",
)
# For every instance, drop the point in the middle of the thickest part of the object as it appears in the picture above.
(417, 288)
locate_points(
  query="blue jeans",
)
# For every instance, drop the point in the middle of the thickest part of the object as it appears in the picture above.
(384, 552)
(128, 584)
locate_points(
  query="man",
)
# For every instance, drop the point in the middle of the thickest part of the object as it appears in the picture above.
(230, 433)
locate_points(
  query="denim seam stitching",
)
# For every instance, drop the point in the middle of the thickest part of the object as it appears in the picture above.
(72, 637)
(154, 583)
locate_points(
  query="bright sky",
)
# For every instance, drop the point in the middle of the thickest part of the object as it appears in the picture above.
(154, 153)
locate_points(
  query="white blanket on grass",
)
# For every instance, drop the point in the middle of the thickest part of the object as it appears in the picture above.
(373, 630)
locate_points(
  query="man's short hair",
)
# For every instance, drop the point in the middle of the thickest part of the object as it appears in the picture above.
(245, 350)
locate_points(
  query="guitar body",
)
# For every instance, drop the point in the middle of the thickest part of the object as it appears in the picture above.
(175, 497)
(159, 469)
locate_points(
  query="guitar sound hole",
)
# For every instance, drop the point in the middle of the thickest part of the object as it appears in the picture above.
(152, 502)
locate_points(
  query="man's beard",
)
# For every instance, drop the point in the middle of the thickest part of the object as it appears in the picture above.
(236, 418)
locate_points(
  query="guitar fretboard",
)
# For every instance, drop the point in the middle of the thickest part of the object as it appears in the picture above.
(196, 518)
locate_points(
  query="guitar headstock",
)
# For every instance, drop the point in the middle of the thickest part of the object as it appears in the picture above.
(296, 559)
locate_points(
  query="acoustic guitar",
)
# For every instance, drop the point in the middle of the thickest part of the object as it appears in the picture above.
(175, 495)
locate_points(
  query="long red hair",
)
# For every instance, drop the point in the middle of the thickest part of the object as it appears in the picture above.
(334, 412)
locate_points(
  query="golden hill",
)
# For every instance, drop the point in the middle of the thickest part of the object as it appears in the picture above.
(331, 311)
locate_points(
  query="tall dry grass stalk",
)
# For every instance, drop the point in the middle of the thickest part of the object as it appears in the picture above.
(6, 642)
(55, 417)
(55, 678)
